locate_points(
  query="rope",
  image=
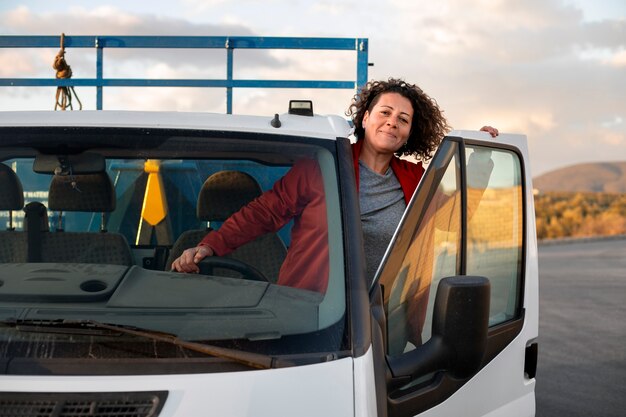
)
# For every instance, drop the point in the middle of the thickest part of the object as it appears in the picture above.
(64, 94)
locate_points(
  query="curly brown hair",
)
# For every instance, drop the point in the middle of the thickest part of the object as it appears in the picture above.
(428, 127)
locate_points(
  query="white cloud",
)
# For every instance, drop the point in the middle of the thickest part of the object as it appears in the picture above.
(203, 5)
(614, 138)
(333, 8)
(617, 60)
(14, 64)
(108, 13)
(540, 122)
(109, 20)
(614, 122)
(165, 98)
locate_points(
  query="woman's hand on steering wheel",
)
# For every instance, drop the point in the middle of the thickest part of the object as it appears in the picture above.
(189, 259)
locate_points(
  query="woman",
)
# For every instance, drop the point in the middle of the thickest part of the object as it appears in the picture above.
(391, 118)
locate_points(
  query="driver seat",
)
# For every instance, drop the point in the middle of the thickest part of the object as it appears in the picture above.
(223, 194)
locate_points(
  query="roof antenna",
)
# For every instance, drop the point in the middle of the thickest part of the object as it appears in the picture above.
(275, 121)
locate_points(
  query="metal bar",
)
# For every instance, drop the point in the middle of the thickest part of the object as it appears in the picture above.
(138, 82)
(99, 74)
(229, 78)
(167, 42)
(361, 63)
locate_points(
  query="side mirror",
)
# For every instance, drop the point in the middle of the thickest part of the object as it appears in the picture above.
(459, 332)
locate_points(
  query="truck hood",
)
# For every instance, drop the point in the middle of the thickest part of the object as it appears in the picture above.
(324, 389)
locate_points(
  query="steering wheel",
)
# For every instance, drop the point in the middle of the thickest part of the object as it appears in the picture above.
(207, 265)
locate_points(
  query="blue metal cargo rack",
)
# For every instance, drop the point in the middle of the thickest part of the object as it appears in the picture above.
(227, 43)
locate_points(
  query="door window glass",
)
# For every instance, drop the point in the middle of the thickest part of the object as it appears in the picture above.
(495, 227)
(429, 247)
(429, 254)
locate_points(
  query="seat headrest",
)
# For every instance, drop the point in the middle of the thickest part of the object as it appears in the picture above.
(224, 193)
(36, 216)
(87, 192)
(11, 191)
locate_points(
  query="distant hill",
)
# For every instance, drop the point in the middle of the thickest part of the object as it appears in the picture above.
(598, 177)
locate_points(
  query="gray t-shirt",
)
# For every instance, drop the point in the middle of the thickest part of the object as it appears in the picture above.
(382, 204)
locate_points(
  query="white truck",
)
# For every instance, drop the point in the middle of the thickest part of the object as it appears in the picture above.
(94, 323)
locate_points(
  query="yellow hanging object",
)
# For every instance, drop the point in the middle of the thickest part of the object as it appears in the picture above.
(154, 207)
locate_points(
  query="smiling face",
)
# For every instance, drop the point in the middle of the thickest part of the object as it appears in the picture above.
(388, 123)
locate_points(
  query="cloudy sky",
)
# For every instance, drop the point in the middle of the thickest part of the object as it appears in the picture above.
(552, 69)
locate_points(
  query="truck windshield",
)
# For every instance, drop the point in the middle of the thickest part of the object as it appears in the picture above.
(92, 220)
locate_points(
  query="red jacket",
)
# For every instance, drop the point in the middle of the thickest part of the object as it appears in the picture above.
(298, 195)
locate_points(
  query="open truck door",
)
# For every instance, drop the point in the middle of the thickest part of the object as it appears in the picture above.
(455, 303)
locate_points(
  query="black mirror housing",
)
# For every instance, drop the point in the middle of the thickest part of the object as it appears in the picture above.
(459, 331)
(461, 319)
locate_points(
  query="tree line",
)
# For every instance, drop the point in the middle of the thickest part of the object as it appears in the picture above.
(568, 214)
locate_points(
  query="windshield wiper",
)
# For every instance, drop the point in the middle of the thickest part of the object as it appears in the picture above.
(251, 359)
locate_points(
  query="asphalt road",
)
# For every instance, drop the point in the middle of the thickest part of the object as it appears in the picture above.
(582, 329)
